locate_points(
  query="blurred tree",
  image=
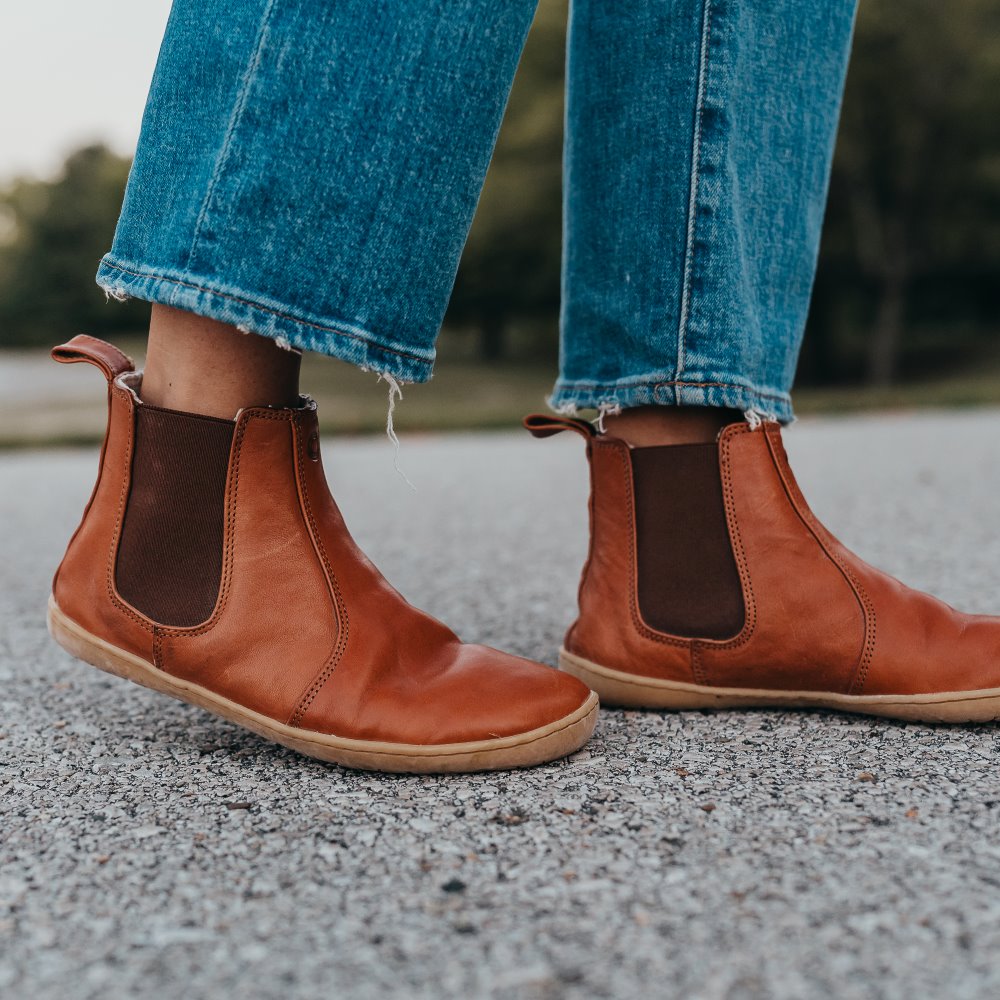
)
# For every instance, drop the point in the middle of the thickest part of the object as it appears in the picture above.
(915, 193)
(510, 267)
(52, 235)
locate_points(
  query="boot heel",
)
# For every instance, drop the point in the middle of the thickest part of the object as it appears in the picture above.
(80, 644)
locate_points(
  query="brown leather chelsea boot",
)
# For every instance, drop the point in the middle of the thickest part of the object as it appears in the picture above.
(212, 564)
(726, 592)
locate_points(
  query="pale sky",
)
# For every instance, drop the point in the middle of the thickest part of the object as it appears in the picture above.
(71, 72)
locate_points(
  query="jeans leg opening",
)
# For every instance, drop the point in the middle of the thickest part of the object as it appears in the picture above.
(758, 404)
(335, 338)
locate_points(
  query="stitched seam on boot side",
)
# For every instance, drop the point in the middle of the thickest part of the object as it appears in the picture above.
(343, 624)
(585, 572)
(736, 539)
(697, 666)
(116, 601)
(809, 520)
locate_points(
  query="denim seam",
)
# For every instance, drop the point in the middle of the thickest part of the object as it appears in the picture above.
(693, 192)
(678, 383)
(234, 120)
(370, 339)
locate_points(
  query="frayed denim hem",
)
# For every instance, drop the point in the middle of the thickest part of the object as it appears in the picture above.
(268, 319)
(611, 397)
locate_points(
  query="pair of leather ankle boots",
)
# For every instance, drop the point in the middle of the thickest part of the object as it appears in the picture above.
(213, 564)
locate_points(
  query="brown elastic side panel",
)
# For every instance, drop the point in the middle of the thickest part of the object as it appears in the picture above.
(687, 577)
(170, 555)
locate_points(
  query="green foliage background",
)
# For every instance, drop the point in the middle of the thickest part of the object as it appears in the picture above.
(909, 277)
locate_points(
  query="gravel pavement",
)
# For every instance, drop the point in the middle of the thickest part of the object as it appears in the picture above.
(148, 849)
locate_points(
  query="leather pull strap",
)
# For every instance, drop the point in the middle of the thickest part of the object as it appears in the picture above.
(542, 425)
(105, 356)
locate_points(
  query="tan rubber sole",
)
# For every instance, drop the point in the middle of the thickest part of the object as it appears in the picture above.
(616, 688)
(522, 750)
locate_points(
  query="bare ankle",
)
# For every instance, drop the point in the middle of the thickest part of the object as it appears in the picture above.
(199, 365)
(645, 426)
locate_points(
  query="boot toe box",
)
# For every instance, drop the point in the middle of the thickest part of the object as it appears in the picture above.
(464, 693)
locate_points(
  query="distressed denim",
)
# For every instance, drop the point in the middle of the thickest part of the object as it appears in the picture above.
(309, 171)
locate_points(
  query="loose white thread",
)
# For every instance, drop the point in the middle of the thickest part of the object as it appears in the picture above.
(757, 417)
(394, 393)
(118, 294)
(605, 410)
(286, 345)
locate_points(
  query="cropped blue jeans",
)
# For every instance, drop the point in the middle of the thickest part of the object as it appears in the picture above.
(309, 170)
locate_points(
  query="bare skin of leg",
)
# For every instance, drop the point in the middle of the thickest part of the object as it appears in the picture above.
(645, 426)
(198, 365)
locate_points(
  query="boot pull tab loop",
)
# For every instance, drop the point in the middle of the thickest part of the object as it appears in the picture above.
(542, 425)
(105, 356)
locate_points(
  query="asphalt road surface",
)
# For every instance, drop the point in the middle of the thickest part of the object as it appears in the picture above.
(148, 849)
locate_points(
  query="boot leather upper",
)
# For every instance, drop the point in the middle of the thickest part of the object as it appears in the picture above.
(305, 629)
(817, 617)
